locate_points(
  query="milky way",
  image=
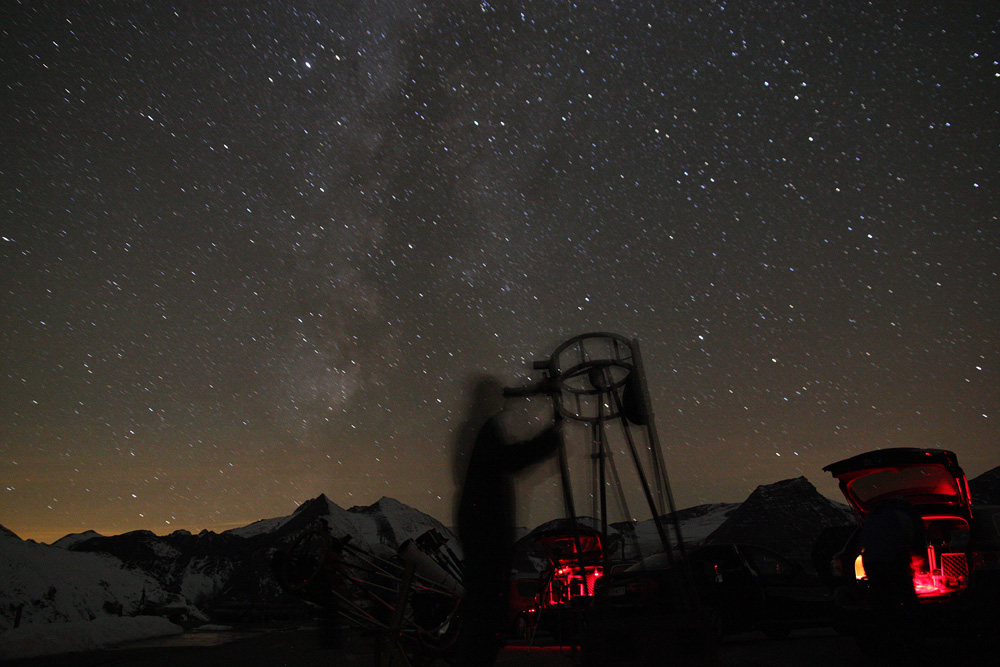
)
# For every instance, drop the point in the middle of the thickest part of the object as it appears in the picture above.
(251, 253)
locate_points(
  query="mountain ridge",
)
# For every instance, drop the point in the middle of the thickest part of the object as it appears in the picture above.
(87, 575)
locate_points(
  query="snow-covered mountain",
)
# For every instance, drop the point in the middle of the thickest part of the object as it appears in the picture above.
(197, 567)
(86, 577)
(50, 584)
(69, 540)
(233, 568)
(696, 524)
(386, 522)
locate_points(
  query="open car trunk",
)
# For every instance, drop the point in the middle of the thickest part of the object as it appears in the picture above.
(932, 482)
(922, 477)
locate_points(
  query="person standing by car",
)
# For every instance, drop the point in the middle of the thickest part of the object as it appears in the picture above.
(891, 536)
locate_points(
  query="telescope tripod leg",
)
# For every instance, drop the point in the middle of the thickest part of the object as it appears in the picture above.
(393, 654)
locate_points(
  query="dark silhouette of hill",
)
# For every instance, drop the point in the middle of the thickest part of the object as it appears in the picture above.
(985, 488)
(786, 517)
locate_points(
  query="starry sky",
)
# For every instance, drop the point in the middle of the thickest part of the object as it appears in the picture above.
(251, 252)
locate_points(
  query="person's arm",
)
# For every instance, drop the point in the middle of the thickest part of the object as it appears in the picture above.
(522, 454)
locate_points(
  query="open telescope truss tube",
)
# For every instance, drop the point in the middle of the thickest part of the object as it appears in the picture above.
(597, 378)
(432, 574)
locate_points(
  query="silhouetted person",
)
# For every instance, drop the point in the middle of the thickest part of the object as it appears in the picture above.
(486, 521)
(891, 536)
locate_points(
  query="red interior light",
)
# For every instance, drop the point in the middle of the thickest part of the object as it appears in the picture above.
(570, 582)
(939, 574)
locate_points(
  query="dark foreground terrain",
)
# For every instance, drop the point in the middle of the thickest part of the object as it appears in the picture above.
(299, 646)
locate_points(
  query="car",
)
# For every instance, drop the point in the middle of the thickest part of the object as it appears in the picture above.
(747, 587)
(647, 613)
(954, 552)
(668, 606)
(753, 588)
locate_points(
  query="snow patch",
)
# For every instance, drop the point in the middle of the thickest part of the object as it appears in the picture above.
(53, 638)
(261, 527)
(75, 538)
(53, 585)
(197, 585)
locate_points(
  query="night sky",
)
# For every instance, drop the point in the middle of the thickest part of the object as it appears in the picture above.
(251, 253)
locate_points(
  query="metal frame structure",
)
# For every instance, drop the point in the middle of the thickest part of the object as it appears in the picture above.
(597, 379)
(412, 596)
